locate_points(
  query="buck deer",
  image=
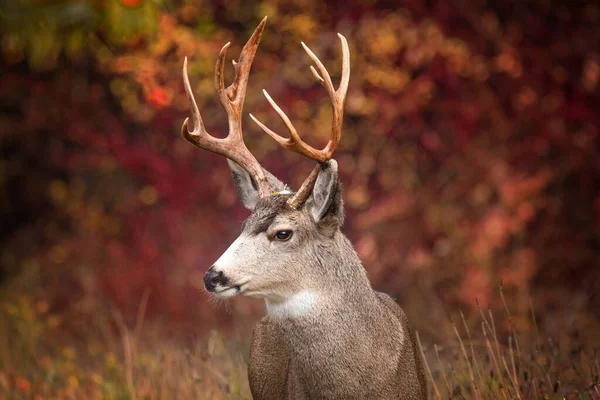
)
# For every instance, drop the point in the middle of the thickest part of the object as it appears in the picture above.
(327, 333)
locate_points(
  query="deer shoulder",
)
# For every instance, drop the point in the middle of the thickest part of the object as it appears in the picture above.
(269, 362)
(410, 366)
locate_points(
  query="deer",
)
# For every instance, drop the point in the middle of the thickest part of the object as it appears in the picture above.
(327, 333)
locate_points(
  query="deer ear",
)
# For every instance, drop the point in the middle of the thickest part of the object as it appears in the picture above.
(247, 189)
(326, 198)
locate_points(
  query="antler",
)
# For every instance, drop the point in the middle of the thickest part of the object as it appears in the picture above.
(295, 142)
(232, 99)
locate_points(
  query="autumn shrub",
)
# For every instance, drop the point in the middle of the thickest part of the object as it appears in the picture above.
(469, 155)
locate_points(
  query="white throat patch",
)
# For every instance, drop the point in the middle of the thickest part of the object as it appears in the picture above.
(293, 307)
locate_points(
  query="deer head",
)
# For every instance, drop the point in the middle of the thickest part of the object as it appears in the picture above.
(277, 254)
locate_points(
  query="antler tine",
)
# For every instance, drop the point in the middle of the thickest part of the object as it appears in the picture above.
(343, 88)
(295, 142)
(338, 97)
(324, 77)
(219, 80)
(242, 68)
(232, 99)
(196, 117)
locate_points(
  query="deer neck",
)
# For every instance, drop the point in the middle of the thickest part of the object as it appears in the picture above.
(336, 282)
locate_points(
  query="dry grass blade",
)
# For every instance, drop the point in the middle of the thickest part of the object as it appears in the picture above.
(435, 388)
(495, 361)
(459, 389)
(141, 313)
(510, 319)
(533, 318)
(495, 336)
(514, 383)
(515, 376)
(437, 355)
(597, 366)
(464, 353)
(485, 322)
(127, 350)
(474, 358)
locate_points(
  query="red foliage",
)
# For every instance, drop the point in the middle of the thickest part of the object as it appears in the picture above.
(158, 97)
(132, 3)
(470, 152)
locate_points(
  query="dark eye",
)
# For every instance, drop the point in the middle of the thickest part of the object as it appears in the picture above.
(283, 236)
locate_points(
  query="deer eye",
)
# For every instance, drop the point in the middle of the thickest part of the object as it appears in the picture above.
(283, 236)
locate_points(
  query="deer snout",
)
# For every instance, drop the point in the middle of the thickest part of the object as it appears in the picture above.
(212, 278)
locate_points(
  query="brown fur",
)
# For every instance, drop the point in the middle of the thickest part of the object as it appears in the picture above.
(345, 357)
(328, 334)
(355, 344)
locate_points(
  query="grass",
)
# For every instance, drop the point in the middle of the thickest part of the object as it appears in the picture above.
(526, 365)
(104, 359)
(39, 360)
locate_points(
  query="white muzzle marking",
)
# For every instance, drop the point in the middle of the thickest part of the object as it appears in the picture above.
(227, 259)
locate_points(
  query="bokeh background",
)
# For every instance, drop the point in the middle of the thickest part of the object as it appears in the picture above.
(469, 156)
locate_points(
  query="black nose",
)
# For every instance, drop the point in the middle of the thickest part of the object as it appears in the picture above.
(213, 278)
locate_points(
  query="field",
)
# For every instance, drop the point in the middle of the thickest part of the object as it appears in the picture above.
(42, 356)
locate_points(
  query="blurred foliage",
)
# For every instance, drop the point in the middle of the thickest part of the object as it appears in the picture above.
(469, 155)
(41, 362)
(469, 158)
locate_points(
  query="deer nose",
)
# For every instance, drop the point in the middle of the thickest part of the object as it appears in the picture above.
(212, 278)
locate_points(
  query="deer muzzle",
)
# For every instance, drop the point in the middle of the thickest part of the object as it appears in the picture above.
(213, 279)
